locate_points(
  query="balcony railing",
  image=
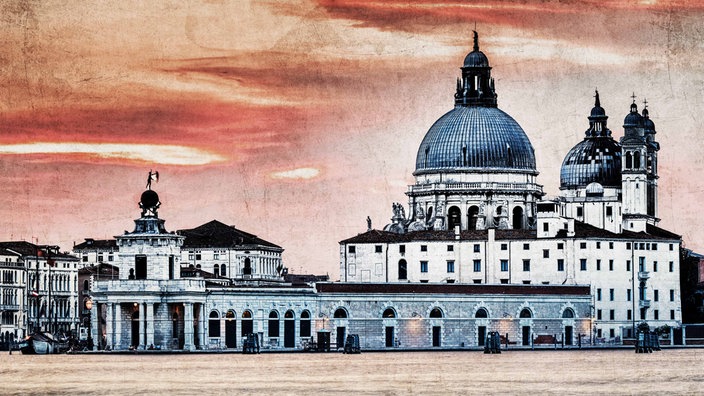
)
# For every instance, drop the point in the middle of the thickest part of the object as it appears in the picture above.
(474, 186)
(9, 307)
(643, 275)
(150, 285)
(644, 303)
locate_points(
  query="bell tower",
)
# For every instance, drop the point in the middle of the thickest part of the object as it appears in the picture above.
(639, 170)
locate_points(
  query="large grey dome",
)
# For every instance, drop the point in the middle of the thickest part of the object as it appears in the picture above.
(475, 138)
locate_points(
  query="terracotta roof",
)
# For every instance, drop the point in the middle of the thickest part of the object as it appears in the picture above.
(450, 288)
(28, 249)
(217, 234)
(106, 244)
(581, 230)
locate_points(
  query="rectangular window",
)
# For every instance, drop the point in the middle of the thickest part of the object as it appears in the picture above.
(504, 246)
(111, 258)
(377, 248)
(642, 246)
(598, 265)
(526, 282)
(598, 333)
(526, 246)
(611, 245)
(628, 294)
(402, 249)
(582, 245)
(611, 265)
(598, 245)
(526, 265)
(476, 248)
(352, 249)
(190, 257)
(504, 281)
(612, 333)
(423, 266)
(560, 246)
(672, 295)
(423, 248)
(216, 256)
(654, 246)
(672, 314)
(656, 295)
(641, 264)
(504, 265)
(628, 246)
(546, 253)
(598, 314)
(582, 264)
(672, 266)
(609, 211)
(655, 266)
(450, 248)
(612, 315)
(198, 256)
(611, 294)
(546, 227)
(629, 314)
(477, 266)
(560, 264)
(656, 314)
(477, 280)
(598, 294)
(628, 265)
(450, 266)
(580, 211)
(672, 247)
(85, 259)
(100, 258)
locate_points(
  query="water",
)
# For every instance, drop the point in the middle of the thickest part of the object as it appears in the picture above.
(678, 371)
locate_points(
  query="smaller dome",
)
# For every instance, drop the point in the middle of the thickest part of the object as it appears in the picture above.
(476, 59)
(149, 199)
(633, 118)
(595, 189)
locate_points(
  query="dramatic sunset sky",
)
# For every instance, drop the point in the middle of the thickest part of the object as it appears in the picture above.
(297, 120)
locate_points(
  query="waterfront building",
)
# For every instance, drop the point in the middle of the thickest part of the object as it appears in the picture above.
(39, 289)
(477, 214)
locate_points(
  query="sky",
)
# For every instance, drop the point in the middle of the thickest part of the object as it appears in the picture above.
(295, 121)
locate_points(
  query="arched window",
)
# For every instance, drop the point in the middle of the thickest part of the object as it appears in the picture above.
(472, 215)
(436, 313)
(289, 315)
(86, 286)
(568, 313)
(525, 313)
(273, 324)
(223, 270)
(214, 324)
(481, 313)
(517, 218)
(629, 160)
(454, 218)
(636, 160)
(247, 315)
(389, 313)
(305, 324)
(402, 270)
(340, 313)
(216, 270)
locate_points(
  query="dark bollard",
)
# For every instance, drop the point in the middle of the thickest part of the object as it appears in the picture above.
(506, 340)
(554, 340)
(579, 341)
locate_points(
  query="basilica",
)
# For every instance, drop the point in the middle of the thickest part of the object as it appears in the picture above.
(478, 248)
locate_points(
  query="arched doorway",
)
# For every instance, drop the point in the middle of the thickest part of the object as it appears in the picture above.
(568, 313)
(389, 331)
(134, 340)
(454, 218)
(214, 324)
(436, 313)
(472, 216)
(517, 218)
(230, 330)
(247, 266)
(305, 324)
(289, 329)
(526, 313)
(340, 313)
(481, 330)
(247, 323)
